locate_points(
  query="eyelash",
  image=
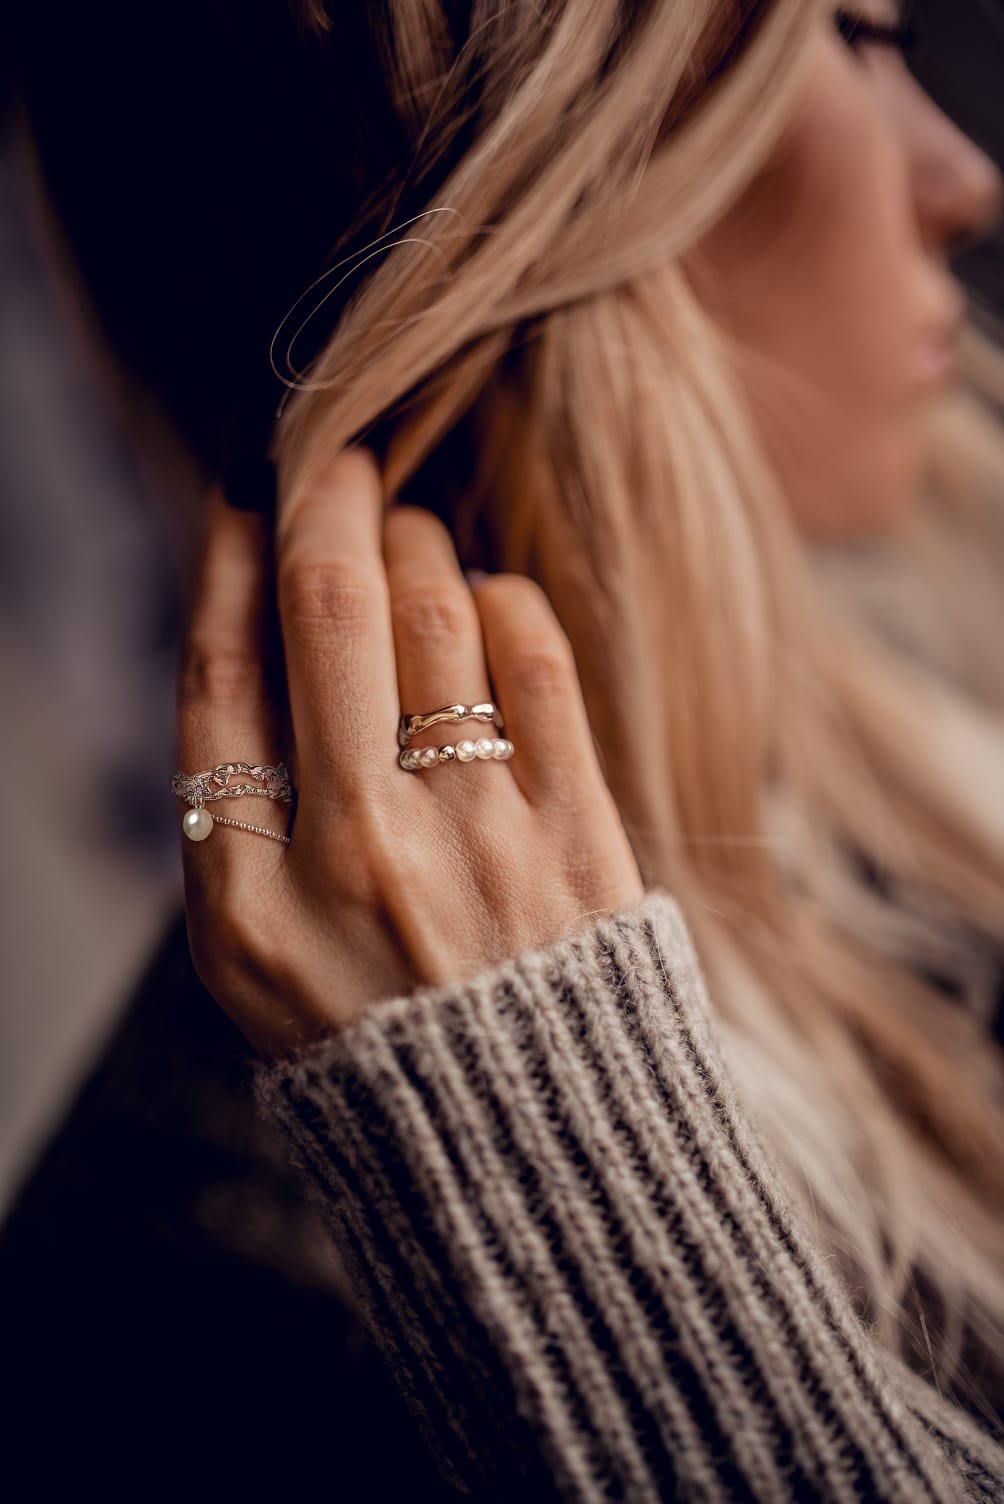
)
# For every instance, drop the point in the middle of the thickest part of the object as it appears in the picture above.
(858, 32)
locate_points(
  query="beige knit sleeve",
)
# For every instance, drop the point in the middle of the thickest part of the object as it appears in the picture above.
(575, 1256)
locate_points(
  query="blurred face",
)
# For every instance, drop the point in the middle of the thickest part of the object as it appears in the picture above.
(832, 276)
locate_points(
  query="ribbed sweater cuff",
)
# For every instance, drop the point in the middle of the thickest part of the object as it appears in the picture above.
(572, 1249)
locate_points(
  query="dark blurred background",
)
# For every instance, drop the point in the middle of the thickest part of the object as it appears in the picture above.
(96, 511)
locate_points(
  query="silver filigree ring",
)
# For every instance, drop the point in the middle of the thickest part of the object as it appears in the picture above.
(217, 783)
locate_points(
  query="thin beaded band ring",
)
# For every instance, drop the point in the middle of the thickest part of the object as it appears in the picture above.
(257, 830)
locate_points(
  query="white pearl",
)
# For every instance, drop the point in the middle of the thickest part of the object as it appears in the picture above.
(484, 747)
(409, 761)
(197, 824)
(498, 749)
(507, 749)
(429, 756)
(466, 751)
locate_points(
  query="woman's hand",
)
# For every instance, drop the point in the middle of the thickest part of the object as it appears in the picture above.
(391, 878)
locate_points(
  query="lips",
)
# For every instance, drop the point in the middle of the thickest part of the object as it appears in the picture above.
(938, 361)
(937, 351)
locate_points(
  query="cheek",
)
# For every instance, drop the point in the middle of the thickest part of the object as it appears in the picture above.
(818, 276)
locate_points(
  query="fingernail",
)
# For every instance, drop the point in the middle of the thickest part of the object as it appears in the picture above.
(475, 576)
(249, 485)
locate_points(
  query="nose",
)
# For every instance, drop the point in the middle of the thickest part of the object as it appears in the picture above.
(958, 189)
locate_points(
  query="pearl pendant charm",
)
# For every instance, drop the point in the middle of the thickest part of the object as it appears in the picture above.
(197, 824)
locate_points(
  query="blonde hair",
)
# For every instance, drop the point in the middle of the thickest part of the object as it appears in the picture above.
(825, 802)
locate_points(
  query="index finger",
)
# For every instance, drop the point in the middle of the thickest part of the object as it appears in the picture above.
(334, 612)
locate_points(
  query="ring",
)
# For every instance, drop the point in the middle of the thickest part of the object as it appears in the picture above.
(486, 748)
(411, 725)
(203, 830)
(216, 783)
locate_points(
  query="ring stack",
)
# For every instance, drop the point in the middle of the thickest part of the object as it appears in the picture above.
(485, 748)
(216, 783)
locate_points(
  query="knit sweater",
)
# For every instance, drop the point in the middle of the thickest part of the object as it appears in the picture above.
(576, 1255)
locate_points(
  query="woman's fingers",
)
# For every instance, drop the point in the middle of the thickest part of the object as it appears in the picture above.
(377, 616)
(437, 631)
(336, 628)
(229, 684)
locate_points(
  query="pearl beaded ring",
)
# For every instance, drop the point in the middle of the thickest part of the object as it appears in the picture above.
(486, 749)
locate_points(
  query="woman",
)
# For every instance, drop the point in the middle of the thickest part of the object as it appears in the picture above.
(660, 1160)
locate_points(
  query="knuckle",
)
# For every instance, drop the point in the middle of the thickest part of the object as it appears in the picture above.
(541, 665)
(353, 860)
(338, 851)
(331, 591)
(212, 673)
(245, 936)
(212, 955)
(242, 937)
(221, 961)
(433, 613)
